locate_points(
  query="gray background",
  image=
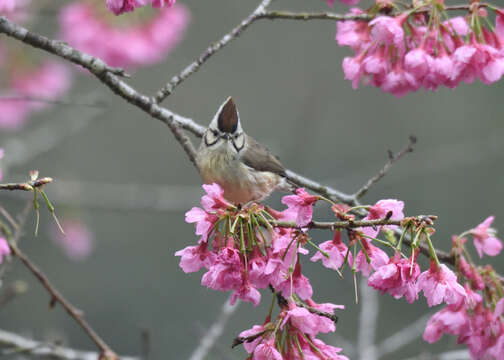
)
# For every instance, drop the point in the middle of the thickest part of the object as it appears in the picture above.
(287, 81)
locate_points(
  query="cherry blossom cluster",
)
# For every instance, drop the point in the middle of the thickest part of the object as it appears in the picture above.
(245, 249)
(292, 334)
(407, 47)
(121, 6)
(149, 38)
(478, 321)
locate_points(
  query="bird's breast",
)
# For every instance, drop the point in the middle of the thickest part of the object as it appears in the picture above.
(241, 183)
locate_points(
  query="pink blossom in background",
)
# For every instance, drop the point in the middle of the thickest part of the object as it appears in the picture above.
(77, 242)
(485, 240)
(7, 5)
(4, 249)
(15, 10)
(48, 81)
(121, 6)
(130, 45)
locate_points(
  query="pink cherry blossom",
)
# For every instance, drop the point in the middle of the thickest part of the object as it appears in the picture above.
(337, 252)
(204, 221)
(440, 284)
(255, 330)
(388, 30)
(485, 240)
(214, 198)
(148, 42)
(300, 206)
(246, 292)
(77, 242)
(4, 249)
(193, 258)
(121, 6)
(225, 272)
(296, 283)
(355, 34)
(377, 258)
(380, 210)
(448, 321)
(266, 350)
(397, 278)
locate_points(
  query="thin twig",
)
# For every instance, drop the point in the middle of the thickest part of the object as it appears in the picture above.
(47, 350)
(57, 297)
(168, 89)
(287, 15)
(348, 224)
(184, 141)
(27, 186)
(393, 158)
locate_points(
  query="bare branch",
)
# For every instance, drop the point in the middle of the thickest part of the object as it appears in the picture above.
(287, 15)
(393, 158)
(348, 224)
(27, 186)
(20, 344)
(57, 297)
(168, 89)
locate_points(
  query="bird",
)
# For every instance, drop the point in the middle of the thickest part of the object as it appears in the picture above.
(245, 169)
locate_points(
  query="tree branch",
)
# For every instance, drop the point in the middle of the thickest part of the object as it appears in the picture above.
(57, 297)
(393, 158)
(27, 186)
(39, 349)
(168, 89)
(287, 15)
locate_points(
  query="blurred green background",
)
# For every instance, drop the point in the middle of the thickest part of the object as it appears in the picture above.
(126, 177)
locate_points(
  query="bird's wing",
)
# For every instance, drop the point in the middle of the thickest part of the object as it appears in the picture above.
(258, 157)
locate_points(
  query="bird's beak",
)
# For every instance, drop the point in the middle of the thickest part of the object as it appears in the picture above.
(226, 136)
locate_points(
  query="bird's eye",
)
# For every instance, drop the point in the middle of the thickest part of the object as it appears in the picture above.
(211, 137)
(239, 141)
